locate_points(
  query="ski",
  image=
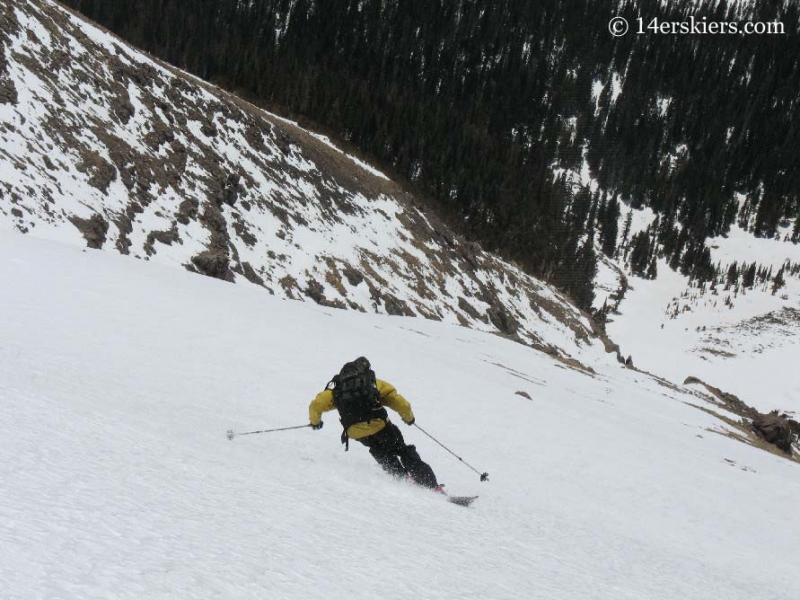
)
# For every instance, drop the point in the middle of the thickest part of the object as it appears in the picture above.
(461, 500)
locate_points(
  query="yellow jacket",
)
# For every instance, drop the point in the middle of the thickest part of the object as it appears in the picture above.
(388, 397)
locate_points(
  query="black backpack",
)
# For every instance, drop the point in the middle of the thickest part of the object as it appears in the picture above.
(356, 396)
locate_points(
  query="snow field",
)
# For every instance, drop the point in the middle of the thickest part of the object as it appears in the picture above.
(119, 379)
(727, 348)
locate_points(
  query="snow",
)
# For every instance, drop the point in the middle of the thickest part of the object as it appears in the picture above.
(616, 86)
(606, 281)
(119, 379)
(327, 141)
(735, 349)
(742, 246)
(750, 349)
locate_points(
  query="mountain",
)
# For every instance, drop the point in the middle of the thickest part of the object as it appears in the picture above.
(537, 131)
(479, 103)
(102, 146)
(119, 379)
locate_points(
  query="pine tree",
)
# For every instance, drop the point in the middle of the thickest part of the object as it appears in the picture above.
(640, 253)
(778, 282)
(609, 226)
(652, 269)
(733, 275)
(749, 277)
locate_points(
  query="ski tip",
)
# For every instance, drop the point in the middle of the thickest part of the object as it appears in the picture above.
(462, 500)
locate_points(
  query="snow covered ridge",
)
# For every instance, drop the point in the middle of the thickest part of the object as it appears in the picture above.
(100, 145)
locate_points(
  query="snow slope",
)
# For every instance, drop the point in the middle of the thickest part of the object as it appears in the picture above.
(102, 146)
(119, 379)
(751, 350)
(750, 347)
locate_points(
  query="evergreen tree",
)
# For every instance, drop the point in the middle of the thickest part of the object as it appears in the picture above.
(626, 229)
(749, 276)
(609, 226)
(733, 275)
(652, 269)
(640, 254)
(778, 282)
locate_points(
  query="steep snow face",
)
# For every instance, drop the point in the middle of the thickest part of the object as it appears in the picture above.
(101, 146)
(118, 381)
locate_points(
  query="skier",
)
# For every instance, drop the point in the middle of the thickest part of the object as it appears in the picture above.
(360, 399)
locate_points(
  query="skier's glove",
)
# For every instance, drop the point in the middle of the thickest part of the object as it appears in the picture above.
(317, 426)
(411, 422)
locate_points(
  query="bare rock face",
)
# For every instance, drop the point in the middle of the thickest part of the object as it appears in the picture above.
(732, 401)
(8, 24)
(162, 237)
(776, 430)
(504, 322)
(8, 92)
(94, 230)
(101, 173)
(213, 263)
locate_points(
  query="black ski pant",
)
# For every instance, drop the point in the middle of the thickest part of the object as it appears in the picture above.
(390, 450)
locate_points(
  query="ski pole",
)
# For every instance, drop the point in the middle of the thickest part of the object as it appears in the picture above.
(231, 434)
(484, 476)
